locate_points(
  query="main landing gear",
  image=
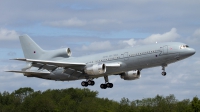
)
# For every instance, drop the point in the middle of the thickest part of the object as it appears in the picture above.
(107, 84)
(102, 86)
(164, 73)
(88, 82)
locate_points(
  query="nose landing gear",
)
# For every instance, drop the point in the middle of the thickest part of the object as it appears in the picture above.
(164, 73)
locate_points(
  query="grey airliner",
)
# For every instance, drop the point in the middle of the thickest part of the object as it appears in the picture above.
(127, 63)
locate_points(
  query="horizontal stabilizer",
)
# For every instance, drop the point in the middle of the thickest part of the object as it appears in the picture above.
(31, 72)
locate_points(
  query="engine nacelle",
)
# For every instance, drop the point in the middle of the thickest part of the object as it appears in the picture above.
(64, 52)
(96, 69)
(131, 75)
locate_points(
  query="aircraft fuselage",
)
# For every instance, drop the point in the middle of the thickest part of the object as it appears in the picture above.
(133, 58)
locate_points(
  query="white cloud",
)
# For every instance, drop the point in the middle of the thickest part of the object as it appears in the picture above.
(197, 33)
(130, 42)
(45, 84)
(130, 15)
(168, 36)
(73, 22)
(172, 35)
(8, 34)
(97, 46)
(195, 38)
(104, 21)
(165, 37)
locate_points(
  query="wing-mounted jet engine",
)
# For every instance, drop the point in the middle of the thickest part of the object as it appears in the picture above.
(131, 75)
(96, 69)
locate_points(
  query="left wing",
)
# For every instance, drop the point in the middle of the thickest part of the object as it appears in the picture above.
(55, 63)
(32, 72)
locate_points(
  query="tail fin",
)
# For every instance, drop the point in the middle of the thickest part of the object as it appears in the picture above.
(30, 48)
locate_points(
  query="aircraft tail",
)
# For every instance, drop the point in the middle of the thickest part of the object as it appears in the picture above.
(30, 48)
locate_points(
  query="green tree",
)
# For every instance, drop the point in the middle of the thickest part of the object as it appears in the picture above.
(124, 105)
(22, 93)
(76, 100)
(183, 106)
(195, 104)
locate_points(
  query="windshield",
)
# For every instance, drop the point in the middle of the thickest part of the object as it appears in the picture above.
(184, 46)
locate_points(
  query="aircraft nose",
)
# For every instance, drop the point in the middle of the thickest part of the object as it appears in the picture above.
(191, 51)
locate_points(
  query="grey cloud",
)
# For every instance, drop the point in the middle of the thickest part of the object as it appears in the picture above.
(95, 46)
(105, 16)
(73, 22)
(195, 38)
(11, 54)
(8, 34)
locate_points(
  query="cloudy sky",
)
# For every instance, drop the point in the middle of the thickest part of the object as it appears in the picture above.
(89, 27)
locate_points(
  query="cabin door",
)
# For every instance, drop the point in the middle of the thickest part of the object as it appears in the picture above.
(164, 50)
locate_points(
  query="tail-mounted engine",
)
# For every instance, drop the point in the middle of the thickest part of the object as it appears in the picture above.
(131, 75)
(64, 52)
(96, 69)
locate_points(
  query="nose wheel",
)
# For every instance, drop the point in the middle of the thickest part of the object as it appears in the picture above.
(163, 73)
(107, 84)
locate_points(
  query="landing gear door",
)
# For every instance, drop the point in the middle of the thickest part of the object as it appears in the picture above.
(164, 50)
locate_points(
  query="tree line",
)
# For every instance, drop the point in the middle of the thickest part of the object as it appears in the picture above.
(85, 100)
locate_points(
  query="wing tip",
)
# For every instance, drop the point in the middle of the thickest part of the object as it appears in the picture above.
(19, 59)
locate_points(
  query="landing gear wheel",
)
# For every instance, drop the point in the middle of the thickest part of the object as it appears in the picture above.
(163, 68)
(90, 82)
(109, 85)
(84, 83)
(103, 86)
(164, 73)
(93, 83)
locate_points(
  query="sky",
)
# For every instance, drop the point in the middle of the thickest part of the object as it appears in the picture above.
(89, 27)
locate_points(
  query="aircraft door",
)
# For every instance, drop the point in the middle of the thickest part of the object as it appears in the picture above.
(164, 50)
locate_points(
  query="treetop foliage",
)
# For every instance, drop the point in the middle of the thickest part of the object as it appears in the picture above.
(79, 100)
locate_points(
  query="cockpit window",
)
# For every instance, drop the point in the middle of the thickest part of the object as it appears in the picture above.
(184, 46)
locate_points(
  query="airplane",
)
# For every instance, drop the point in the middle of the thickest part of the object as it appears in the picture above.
(58, 64)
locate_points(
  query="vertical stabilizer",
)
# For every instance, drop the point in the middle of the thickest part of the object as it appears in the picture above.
(30, 48)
